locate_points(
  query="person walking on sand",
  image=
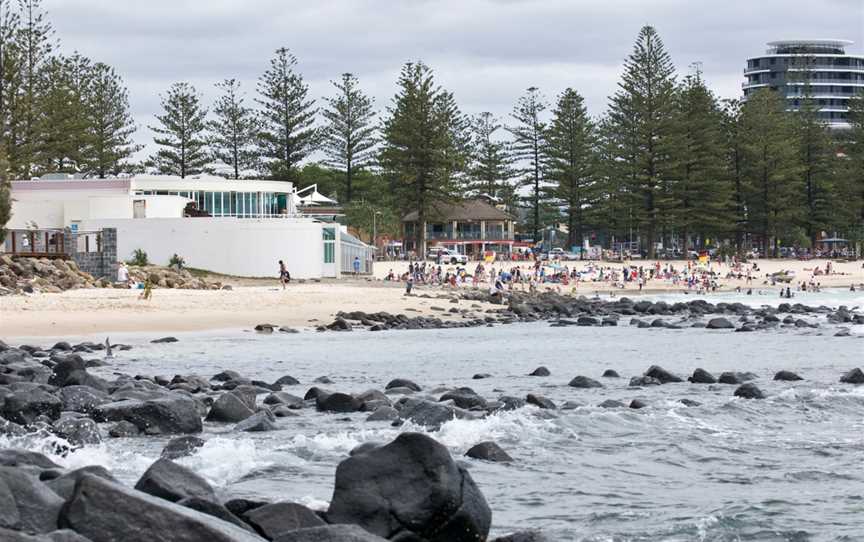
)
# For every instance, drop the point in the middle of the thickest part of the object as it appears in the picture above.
(356, 265)
(284, 275)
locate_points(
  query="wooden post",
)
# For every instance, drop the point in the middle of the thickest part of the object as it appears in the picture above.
(14, 233)
(86, 243)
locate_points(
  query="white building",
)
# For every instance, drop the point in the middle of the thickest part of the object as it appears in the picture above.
(236, 227)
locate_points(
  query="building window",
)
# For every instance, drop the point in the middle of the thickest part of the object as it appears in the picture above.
(329, 235)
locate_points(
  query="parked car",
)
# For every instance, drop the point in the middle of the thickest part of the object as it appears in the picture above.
(561, 254)
(432, 253)
(452, 257)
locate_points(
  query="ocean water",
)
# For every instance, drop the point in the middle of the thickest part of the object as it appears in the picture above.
(787, 468)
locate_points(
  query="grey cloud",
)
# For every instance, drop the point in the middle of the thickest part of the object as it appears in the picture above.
(486, 51)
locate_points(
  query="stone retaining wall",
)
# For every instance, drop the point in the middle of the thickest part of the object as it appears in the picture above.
(101, 261)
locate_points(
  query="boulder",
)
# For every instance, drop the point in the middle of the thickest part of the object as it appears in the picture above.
(787, 376)
(464, 398)
(263, 420)
(181, 447)
(287, 380)
(103, 510)
(12, 457)
(661, 374)
(272, 520)
(229, 407)
(170, 414)
(64, 485)
(637, 381)
(855, 376)
(25, 405)
(609, 373)
(216, 510)
(731, 377)
(82, 399)
(636, 404)
(71, 370)
(509, 402)
(719, 323)
(402, 383)
(26, 503)
(282, 398)
(164, 340)
(78, 431)
(523, 536)
(489, 451)
(410, 489)
(611, 403)
(540, 371)
(701, 376)
(338, 402)
(584, 382)
(168, 480)
(430, 414)
(60, 535)
(330, 533)
(749, 391)
(539, 401)
(124, 429)
(689, 402)
(382, 414)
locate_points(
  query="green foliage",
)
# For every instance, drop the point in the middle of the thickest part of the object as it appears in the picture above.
(177, 262)
(373, 218)
(529, 147)
(139, 258)
(110, 126)
(771, 167)
(181, 133)
(572, 162)
(491, 169)
(423, 147)
(349, 138)
(644, 132)
(702, 199)
(287, 133)
(234, 130)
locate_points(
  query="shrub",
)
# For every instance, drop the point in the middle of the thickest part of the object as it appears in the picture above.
(177, 262)
(139, 258)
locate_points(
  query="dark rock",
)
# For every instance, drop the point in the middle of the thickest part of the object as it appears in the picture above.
(168, 480)
(749, 391)
(64, 485)
(315, 393)
(787, 376)
(511, 403)
(287, 380)
(364, 447)
(661, 374)
(855, 376)
(103, 510)
(25, 405)
(464, 398)
(333, 533)
(123, 429)
(273, 520)
(338, 402)
(229, 407)
(689, 402)
(719, 323)
(402, 383)
(324, 380)
(216, 510)
(26, 503)
(540, 371)
(489, 451)
(539, 401)
(71, 370)
(730, 377)
(78, 432)
(584, 382)
(227, 375)
(238, 507)
(644, 381)
(383, 413)
(11, 457)
(164, 340)
(637, 404)
(410, 489)
(430, 414)
(82, 399)
(611, 403)
(170, 414)
(609, 373)
(263, 420)
(181, 447)
(481, 376)
(282, 398)
(701, 376)
(571, 405)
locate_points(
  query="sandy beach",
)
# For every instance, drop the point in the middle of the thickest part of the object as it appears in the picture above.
(250, 302)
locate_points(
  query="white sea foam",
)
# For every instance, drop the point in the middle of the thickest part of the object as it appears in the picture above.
(224, 460)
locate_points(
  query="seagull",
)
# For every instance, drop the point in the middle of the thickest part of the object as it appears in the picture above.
(108, 353)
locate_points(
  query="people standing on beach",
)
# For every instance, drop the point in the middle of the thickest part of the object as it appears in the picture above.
(356, 265)
(284, 275)
(123, 274)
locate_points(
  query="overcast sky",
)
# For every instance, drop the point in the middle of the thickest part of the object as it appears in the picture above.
(486, 51)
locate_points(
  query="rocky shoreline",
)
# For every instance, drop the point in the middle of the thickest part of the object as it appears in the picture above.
(408, 489)
(563, 310)
(43, 275)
